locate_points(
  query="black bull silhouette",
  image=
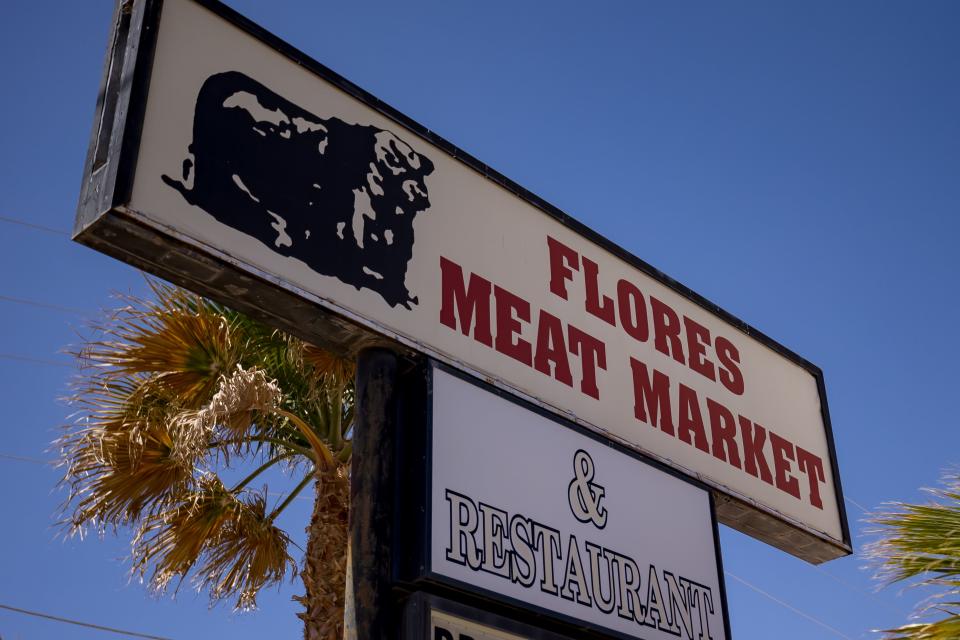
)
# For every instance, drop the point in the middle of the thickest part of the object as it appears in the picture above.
(340, 197)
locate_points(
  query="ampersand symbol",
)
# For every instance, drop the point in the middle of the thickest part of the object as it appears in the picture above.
(583, 494)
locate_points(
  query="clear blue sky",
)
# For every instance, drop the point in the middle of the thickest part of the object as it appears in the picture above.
(796, 163)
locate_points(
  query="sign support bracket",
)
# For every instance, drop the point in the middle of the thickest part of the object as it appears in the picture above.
(372, 473)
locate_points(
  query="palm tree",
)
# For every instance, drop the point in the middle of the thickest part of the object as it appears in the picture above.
(920, 544)
(171, 392)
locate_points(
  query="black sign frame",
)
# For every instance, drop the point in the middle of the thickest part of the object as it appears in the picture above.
(413, 495)
(103, 222)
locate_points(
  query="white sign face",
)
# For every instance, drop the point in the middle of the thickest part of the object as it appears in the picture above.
(533, 511)
(444, 626)
(428, 617)
(268, 166)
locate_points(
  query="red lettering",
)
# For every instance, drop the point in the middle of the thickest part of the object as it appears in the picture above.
(654, 395)
(782, 456)
(551, 347)
(812, 466)
(602, 307)
(730, 375)
(723, 431)
(754, 462)
(691, 420)
(633, 311)
(470, 303)
(563, 262)
(666, 330)
(593, 354)
(698, 339)
(508, 325)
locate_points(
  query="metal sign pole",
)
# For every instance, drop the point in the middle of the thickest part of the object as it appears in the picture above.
(371, 492)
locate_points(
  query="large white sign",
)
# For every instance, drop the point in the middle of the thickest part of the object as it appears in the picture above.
(444, 626)
(531, 510)
(286, 171)
(428, 617)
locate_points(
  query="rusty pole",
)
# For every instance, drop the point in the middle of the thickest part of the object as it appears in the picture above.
(371, 492)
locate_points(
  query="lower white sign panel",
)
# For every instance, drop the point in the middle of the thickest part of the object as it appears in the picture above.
(429, 617)
(544, 516)
(446, 627)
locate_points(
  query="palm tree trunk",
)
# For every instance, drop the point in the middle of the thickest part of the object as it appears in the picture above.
(324, 570)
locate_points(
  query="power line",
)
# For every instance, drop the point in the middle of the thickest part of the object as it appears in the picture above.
(42, 305)
(856, 504)
(8, 456)
(790, 607)
(864, 592)
(39, 227)
(99, 627)
(19, 358)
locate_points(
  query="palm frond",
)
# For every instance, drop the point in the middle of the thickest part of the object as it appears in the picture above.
(920, 544)
(317, 385)
(230, 414)
(171, 389)
(337, 371)
(229, 539)
(180, 338)
(947, 629)
(249, 554)
(115, 479)
(120, 462)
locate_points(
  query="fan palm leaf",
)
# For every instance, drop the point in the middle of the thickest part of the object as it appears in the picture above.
(920, 544)
(180, 338)
(174, 389)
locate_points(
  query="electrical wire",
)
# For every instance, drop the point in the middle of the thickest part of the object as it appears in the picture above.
(79, 623)
(7, 456)
(860, 590)
(39, 227)
(19, 358)
(41, 305)
(800, 613)
(856, 504)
